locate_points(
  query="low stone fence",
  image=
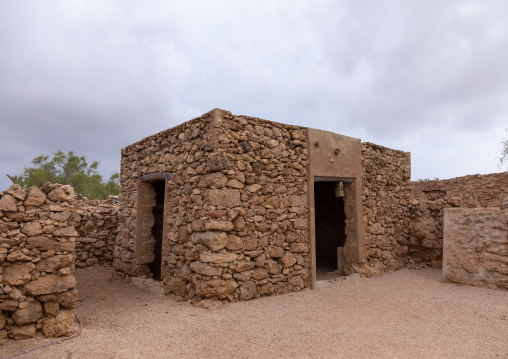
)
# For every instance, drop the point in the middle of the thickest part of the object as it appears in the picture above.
(97, 224)
(476, 247)
(37, 245)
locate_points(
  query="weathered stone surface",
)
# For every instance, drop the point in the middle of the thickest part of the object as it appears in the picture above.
(214, 240)
(287, 260)
(175, 285)
(23, 332)
(8, 305)
(3, 319)
(66, 299)
(216, 288)
(218, 163)
(218, 257)
(223, 197)
(475, 249)
(299, 247)
(61, 325)
(8, 204)
(51, 308)
(217, 180)
(18, 273)
(17, 192)
(234, 243)
(275, 252)
(66, 232)
(29, 314)
(248, 290)
(31, 228)
(205, 269)
(214, 225)
(48, 244)
(244, 266)
(54, 263)
(35, 197)
(50, 284)
(301, 223)
(63, 193)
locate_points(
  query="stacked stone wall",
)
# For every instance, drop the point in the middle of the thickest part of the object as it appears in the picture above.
(267, 224)
(183, 151)
(37, 254)
(385, 195)
(429, 199)
(476, 247)
(96, 222)
(236, 220)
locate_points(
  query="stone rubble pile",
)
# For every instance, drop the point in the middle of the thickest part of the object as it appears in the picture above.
(37, 244)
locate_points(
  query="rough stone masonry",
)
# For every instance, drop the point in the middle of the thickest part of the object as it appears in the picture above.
(37, 244)
(237, 206)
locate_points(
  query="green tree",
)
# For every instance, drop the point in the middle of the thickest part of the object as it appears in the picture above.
(68, 168)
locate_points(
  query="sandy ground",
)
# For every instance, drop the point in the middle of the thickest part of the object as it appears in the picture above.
(406, 314)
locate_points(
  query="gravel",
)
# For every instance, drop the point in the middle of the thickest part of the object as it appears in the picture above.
(405, 314)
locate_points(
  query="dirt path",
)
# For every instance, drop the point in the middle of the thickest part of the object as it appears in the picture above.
(406, 314)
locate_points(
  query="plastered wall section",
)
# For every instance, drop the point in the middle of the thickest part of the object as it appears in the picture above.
(475, 250)
(335, 156)
(386, 177)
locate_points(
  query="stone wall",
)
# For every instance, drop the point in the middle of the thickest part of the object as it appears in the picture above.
(182, 150)
(386, 195)
(37, 244)
(96, 222)
(236, 220)
(473, 191)
(267, 225)
(476, 247)
(430, 198)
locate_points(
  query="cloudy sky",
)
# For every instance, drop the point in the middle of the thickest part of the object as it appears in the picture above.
(429, 77)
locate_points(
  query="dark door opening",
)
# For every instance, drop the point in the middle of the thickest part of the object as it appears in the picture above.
(330, 225)
(157, 228)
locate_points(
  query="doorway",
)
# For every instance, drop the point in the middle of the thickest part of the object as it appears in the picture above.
(330, 227)
(157, 228)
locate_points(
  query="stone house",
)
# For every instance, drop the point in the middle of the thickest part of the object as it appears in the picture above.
(227, 207)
